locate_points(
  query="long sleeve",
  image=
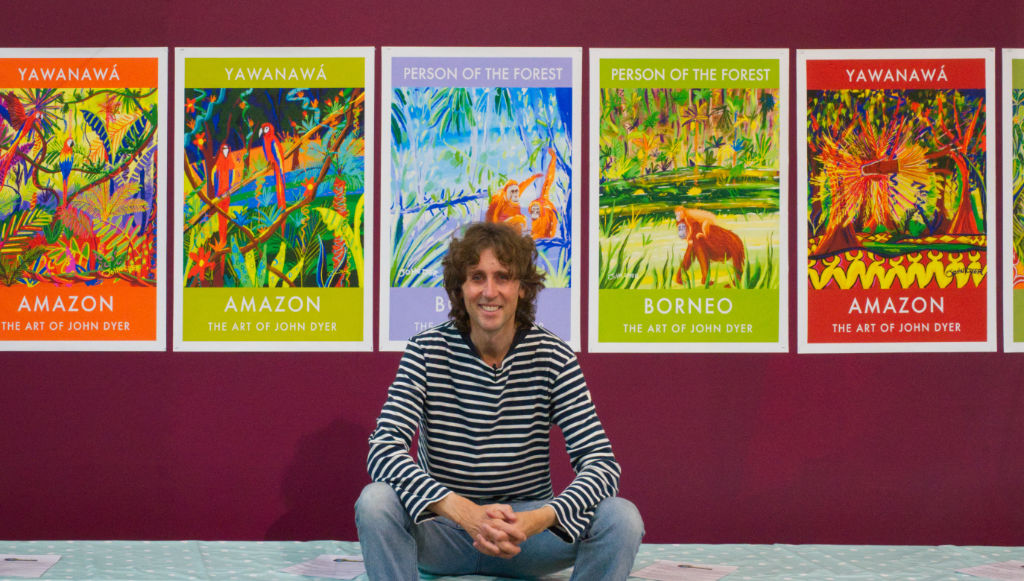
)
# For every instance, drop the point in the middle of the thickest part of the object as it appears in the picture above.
(389, 460)
(590, 452)
(483, 432)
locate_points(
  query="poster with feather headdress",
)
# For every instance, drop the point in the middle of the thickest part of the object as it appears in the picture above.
(896, 161)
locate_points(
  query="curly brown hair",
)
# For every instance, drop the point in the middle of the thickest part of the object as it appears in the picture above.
(515, 252)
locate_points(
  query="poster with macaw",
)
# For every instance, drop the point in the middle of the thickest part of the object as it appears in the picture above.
(81, 199)
(688, 212)
(1013, 199)
(896, 164)
(274, 206)
(475, 134)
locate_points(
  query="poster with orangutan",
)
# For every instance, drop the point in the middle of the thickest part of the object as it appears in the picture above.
(1013, 199)
(471, 135)
(272, 206)
(688, 208)
(895, 159)
(81, 199)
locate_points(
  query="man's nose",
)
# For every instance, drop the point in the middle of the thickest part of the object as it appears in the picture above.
(489, 286)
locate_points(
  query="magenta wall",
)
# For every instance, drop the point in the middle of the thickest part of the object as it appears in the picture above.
(900, 449)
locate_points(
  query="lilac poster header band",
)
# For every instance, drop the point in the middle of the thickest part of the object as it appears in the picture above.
(481, 72)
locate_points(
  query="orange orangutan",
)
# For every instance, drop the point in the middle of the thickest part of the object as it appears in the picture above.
(505, 204)
(706, 241)
(543, 216)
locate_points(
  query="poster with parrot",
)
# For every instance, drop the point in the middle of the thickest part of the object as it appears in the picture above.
(896, 161)
(81, 199)
(688, 212)
(274, 204)
(477, 134)
(1013, 199)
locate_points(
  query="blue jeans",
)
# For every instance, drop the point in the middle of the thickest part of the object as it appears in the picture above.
(395, 549)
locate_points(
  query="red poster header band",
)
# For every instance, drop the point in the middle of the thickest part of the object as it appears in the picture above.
(89, 73)
(896, 74)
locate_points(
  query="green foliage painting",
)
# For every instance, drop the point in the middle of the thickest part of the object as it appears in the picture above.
(274, 187)
(711, 152)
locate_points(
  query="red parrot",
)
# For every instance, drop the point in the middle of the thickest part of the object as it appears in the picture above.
(12, 110)
(220, 188)
(223, 179)
(65, 161)
(8, 158)
(272, 151)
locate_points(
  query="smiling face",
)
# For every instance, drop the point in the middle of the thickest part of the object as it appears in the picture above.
(491, 295)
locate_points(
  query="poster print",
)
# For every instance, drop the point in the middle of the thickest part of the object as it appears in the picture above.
(688, 213)
(477, 134)
(895, 165)
(1013, 205)
(273, 208)
(81, 202)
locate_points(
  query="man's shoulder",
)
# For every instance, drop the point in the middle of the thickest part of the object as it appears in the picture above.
(442, 331)
(540, 339)
(444, 337)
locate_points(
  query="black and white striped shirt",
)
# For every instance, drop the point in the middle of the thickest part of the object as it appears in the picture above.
(484, 432)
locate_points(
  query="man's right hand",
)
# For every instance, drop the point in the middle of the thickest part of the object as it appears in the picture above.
(482, 524)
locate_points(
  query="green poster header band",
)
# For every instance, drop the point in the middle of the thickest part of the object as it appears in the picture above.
(272, 314)
(689, 316)
(268, 73)
(1018, 73)
(690, 73)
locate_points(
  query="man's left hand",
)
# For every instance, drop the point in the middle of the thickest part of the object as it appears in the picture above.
(507, 530)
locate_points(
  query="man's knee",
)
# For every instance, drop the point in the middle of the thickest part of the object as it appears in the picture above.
(377, 501)
(622, 517)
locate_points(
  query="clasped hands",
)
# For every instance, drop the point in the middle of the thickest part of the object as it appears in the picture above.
(496, 529)
(500, 533)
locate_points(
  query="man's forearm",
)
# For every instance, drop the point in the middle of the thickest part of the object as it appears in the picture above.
(457, 508)
(537, 521)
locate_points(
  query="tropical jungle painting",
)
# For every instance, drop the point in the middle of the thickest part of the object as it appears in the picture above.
(78, 189)
(462, 155)
(274, 185)
(1017, 155)
(689, 188)
(897, 188)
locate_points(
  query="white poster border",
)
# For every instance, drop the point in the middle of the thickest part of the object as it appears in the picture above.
(159, 342)
(388, 54)
(803, 56)
(367, 54)
(781, 345)
(1009, 55)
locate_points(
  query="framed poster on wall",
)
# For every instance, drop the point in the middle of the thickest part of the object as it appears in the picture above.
(82, 219)
(274, 201)
(1013, 204)
(474, 134)
(896, 168)
(688, 212)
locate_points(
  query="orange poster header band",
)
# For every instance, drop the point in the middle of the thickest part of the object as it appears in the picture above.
(70, 73)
